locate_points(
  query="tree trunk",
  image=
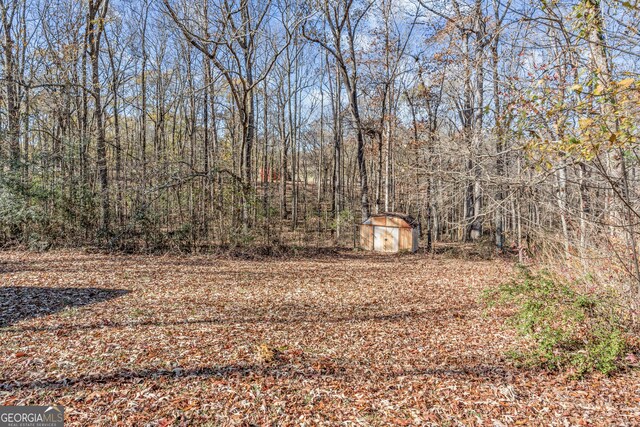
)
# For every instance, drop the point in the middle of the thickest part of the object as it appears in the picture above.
(97, 13)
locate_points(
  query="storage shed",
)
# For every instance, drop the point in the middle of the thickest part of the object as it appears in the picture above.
(390, 232)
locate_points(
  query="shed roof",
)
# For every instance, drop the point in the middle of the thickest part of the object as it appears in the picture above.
(405, 217)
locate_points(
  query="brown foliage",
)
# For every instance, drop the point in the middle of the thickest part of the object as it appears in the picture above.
(374, 340)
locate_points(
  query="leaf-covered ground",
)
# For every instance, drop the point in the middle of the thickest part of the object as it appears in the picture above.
(331, 340)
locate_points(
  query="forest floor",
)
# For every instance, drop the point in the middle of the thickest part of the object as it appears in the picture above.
(334, 339)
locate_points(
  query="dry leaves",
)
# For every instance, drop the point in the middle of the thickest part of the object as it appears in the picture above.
(368, 339)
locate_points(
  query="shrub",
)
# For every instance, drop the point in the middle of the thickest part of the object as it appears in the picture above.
(563, 329)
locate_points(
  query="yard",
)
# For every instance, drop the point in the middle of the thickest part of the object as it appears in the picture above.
(333, 339)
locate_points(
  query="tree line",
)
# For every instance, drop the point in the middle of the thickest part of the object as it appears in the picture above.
(173, 123)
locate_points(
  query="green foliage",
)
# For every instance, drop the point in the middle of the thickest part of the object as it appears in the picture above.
(41, 214)
(345, 219)
(15, 211)
(562, 328)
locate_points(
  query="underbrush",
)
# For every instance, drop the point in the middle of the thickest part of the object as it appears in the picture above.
(271, 251)
(562, 329)
(481, 250)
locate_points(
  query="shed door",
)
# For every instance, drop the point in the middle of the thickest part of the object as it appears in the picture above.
(386, 239)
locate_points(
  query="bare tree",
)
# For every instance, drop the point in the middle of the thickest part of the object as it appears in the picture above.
(342, 19)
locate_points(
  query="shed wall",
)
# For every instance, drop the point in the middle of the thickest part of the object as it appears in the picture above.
(388, 234)
(406, 239)
(366, 237)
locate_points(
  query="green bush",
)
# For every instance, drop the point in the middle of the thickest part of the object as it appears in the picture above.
(41, 214)
(344, 220)
(563, 329)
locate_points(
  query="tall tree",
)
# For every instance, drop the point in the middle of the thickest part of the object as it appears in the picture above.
(10, 14)
(343, 19)
(95, 28)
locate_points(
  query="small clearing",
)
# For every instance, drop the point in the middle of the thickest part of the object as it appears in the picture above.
(345, 339)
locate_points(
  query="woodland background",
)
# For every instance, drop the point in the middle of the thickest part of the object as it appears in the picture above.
(168, 124)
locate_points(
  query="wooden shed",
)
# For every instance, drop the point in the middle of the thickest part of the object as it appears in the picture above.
(390, 232)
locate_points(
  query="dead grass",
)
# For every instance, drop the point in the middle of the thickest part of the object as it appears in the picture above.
(333, 339)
